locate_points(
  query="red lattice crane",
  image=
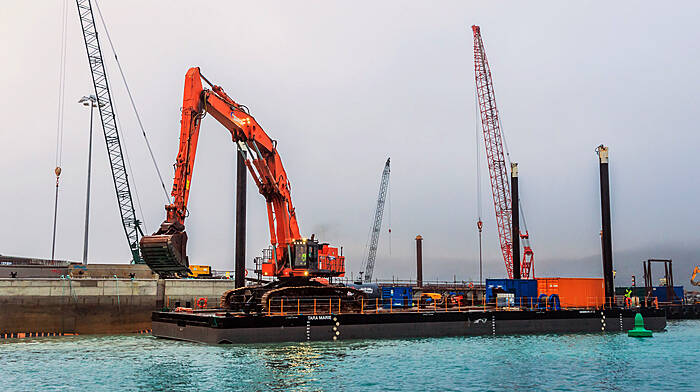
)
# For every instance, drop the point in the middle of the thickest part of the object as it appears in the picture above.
(498, 172)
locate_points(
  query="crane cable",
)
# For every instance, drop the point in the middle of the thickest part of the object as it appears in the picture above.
(61, 87)
(526, 238)
(365, 255)
(128, 165)
(520, 205)
(478, 155)
(388, 185)
(479, 223)
(59, 120)
(133, 104)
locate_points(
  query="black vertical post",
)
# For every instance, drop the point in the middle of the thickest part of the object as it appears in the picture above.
(605, 215)
(87, 193)
(647, 280)
(515, 218)
(672, 293)
(419, 260)
(239, 272)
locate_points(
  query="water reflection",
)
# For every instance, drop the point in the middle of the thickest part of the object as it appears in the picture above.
(297, 366)
(539, 362)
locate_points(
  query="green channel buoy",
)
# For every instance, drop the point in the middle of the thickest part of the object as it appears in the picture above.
(639, 331)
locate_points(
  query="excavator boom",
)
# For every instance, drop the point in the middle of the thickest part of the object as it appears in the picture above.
(293, 255)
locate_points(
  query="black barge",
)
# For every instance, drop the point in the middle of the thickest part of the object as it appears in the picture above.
(216, 327)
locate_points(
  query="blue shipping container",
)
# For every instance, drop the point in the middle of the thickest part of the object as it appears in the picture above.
(657, 291)
(661, 292)
(397, 296)
(525, 290)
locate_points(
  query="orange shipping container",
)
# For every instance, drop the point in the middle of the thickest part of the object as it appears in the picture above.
(574, 292)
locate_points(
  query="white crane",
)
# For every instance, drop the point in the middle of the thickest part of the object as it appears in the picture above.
(366, 277)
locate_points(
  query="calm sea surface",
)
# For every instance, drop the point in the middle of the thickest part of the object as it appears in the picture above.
(668, 361)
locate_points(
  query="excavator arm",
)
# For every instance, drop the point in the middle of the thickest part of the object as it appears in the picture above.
(165, 251)
(264, 163)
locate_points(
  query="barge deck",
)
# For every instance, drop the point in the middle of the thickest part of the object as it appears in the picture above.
(217, 327)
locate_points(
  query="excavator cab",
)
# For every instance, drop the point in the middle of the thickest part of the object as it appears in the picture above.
(306, 257)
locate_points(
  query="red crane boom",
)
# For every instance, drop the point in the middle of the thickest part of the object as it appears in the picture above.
(498, 172)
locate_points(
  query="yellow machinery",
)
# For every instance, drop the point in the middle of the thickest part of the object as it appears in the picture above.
(430, 299)
(696, 271)
(200, 271)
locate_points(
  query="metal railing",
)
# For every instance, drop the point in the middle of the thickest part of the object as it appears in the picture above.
(445, 284)
(288, 306)
(18, 261)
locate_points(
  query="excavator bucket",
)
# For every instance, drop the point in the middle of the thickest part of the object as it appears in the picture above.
(165, 254)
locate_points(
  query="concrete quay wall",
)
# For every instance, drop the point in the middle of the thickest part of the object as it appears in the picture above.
(96, 306)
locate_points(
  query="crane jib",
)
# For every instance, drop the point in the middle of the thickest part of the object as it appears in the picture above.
(132, 226)
(377, 224)
(498, 172)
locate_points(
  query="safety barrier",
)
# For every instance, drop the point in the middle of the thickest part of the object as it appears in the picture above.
(336, 305)
(22, 335)
(554, 301)
(431, 284)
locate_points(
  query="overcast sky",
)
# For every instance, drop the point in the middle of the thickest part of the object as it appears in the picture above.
(344, 85)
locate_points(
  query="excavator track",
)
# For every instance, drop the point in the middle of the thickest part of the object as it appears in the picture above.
(313, 298)
(272, 297)
(242, 299)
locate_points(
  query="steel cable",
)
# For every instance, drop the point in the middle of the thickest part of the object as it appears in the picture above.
(59, 120)
(133, 104)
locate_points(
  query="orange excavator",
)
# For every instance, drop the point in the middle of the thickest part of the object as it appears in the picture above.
(294, 260)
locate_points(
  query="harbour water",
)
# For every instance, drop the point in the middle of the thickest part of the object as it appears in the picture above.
(668, 361)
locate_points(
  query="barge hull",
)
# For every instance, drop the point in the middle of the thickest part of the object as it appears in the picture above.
(217, 329)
